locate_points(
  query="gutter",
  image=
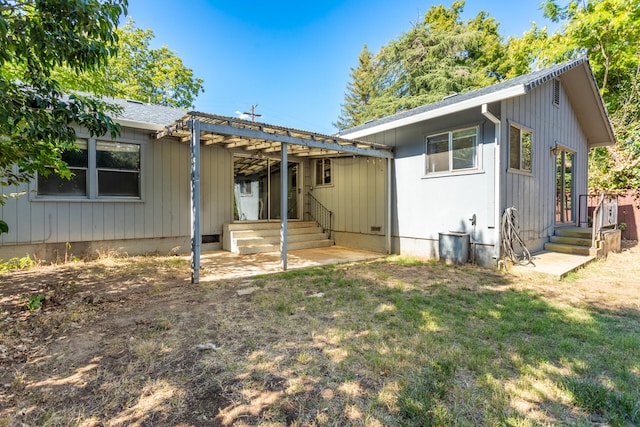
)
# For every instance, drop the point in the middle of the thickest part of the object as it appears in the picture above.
(501, 95)
(498, 131)
(138, 125)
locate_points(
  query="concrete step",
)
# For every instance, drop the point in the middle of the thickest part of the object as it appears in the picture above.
(567, 249)
(307, 244)
(567, 240)
(275, 240)
(267, 232)
(240, 226)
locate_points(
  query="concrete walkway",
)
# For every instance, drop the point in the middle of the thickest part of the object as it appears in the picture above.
(227, 265)
(553, 263)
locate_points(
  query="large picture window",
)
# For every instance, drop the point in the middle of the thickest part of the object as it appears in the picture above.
(452, 151)
(100, 169)
(520, 141)
(76, 186)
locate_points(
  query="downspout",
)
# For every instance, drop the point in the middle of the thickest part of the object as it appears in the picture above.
(496, 190)
(388, 225)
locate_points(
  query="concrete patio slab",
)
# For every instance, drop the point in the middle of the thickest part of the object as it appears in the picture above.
(220, 265)
(553, 263)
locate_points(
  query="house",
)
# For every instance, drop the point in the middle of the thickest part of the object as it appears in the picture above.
(459, 163)
(179, 181)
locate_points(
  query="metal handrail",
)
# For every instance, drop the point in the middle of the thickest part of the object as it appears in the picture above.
(320, 214)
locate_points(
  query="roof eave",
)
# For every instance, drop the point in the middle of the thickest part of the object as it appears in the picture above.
(138, 125)
(489, 98)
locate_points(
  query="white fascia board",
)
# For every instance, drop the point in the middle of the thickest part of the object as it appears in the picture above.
(138, 125)
(439, 112)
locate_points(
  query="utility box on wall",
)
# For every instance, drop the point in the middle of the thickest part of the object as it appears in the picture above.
(453, 247)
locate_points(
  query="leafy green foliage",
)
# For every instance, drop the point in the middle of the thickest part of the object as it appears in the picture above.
(34, 302)
(604, 30)
(443, 55)
(140, 73)
(437, 57)
(36, 119)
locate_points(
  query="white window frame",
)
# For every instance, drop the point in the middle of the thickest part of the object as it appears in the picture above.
(450, 152)
(521, 167)
(325, 161)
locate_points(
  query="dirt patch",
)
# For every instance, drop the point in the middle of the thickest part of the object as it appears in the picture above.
(130, 342)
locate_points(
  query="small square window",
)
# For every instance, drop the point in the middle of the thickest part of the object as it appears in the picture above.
(520, 144)
(323, 172)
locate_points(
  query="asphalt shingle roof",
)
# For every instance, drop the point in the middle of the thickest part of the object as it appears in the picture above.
(530, 81)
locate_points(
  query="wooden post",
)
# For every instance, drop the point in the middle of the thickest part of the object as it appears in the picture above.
(284, 169)
(194, 124)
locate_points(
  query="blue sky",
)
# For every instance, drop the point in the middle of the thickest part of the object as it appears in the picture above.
(292, 58)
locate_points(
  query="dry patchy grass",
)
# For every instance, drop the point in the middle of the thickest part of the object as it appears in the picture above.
(393, 342)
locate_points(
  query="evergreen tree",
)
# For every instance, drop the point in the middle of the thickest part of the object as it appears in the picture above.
(360, 91)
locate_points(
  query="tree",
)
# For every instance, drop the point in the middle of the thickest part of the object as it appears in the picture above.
(437, 57)
(140, 73)
(35, 117)
(360, 91)
(607, 31)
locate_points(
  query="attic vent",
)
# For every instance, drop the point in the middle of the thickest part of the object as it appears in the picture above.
(556, 92)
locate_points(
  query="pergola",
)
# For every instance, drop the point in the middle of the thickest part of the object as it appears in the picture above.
(254, 138)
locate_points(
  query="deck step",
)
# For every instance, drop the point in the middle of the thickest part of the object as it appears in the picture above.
(569, 240)
(580, 232)
(275, 239)
(567, 248)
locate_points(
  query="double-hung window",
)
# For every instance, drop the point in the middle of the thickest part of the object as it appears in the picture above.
(520, 140)
(100, 169)
(452, 151)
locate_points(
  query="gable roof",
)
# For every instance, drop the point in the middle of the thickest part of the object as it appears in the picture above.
(577, 78)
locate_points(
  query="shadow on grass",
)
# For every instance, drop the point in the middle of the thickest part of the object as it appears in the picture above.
(387, 342)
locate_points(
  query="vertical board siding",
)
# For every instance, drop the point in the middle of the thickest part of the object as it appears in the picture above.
(534, 194)
(356, 197)
(163, 211)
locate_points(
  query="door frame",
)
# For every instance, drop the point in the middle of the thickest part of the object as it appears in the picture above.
(560, 196)
(267, 204)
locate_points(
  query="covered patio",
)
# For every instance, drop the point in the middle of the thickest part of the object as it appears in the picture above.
(263, 139)
(219, 265)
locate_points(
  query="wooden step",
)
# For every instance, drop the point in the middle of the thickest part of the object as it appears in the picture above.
(580, 232)
(568, 240)
(567, 249)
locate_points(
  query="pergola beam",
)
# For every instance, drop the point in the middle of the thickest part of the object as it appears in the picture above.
(351, 148)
